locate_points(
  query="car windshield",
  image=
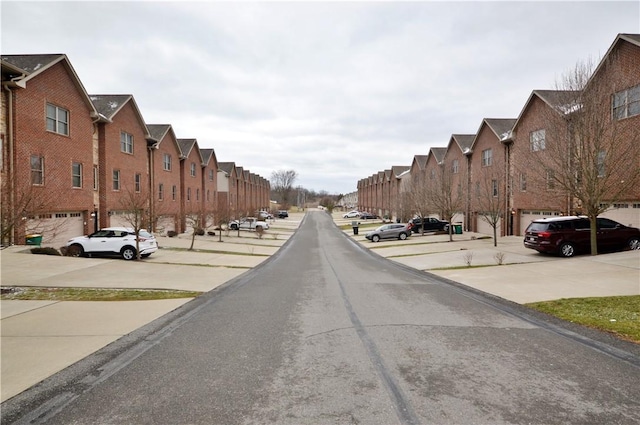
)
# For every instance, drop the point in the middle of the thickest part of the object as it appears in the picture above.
(537, 227)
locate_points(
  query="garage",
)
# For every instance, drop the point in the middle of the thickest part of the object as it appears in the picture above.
(624, 213)
(526, 217)
(56, 228)
(485, 228)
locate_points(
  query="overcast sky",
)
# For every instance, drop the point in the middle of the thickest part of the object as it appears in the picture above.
(336, 91)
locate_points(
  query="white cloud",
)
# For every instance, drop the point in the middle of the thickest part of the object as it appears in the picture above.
(335, 90)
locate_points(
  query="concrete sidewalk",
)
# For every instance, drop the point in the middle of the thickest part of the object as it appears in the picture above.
(40, 338)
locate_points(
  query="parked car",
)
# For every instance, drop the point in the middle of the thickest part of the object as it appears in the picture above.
(113, 240)
(430, 224)
(389, 231)
(283, 214)
(351, 214)
(264, 215)
(248, 223)
(567, 236)
(368, 216)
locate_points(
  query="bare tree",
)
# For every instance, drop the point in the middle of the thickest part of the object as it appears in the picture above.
(199, 219)
(490, 198)
(221, 216)
(282, 184)
(446, 195)
(135, 211)
(587, 152)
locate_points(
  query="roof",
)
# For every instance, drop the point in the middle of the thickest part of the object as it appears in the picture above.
(186, 146)
(157, 132)
(464, 141)
(22, 68)
(438, 153)
(227, 167)
(207, 155)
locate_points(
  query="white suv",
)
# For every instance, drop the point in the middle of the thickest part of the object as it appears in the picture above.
(113, 240)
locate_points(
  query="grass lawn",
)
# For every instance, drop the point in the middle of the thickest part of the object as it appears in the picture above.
(92, 294)
(618, 315)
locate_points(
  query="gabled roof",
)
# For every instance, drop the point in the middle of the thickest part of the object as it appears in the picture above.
(629, 38)
(438, 154)
(207, 156)
(558, 100)
(186, 146)
(501, 127)
(420, 161)
(227, 167)
(464, 142)
(157, 132)
(108, 106)
(398, 170)
(22, 68)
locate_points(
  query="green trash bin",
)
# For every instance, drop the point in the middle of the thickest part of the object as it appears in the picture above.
(34, 239)
(457, 229)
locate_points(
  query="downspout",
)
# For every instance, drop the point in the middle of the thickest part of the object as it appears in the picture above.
(11, 173)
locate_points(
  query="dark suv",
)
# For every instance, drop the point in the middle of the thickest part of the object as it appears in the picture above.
(428, 224)
(283, 214)
(567, 236)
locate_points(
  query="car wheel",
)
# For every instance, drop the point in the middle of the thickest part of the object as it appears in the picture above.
(128, 253)
(75, 250)
(634, 243)
(375, 238)
(402, 236)
(567, 250)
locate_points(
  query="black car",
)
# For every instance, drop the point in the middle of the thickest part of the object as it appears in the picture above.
(567, 236)
(368, 216)
(428, 224)
(283, 214)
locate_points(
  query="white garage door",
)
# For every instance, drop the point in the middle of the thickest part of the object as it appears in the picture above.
(56, 228)
(526, 217)
(485, 228)
(627, 214)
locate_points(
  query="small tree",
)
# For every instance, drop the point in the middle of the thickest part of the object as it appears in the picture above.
(491, 198)
(446, 195)
(221, 216)
(199, 219)
(135, 211)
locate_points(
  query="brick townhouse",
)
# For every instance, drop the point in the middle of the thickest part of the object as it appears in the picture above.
(503, 158)
(73, 162)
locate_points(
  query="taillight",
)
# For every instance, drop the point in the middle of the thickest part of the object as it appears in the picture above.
(545, 235)
(141, 239)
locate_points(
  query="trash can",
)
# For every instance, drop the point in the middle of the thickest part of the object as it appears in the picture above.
(457, 229)
(355, 225)
(34, 239)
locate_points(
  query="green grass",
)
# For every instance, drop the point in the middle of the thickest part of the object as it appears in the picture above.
(618, 315)
(92, 294)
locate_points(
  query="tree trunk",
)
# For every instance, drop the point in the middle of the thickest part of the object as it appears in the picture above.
(594, 234)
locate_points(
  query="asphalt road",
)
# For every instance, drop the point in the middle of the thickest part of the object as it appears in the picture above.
(326, 332)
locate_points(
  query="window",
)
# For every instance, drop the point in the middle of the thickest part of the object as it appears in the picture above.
(37, 170)
(487, 157)
(477, 188)
(95, 177)
(455, 166)
(207, 195)
(494, 188)
(138, 179)
(188, 194)
(551, 183)
(161, 191)
(537, 140)
(166, 162)
(116, 179)
(76, 174)
(126, 142)
(523, 182)
(193, 169)
(197, 194)
(174, 191)
(600, 163)
(211, 175)
(626, 103)
(57, 120)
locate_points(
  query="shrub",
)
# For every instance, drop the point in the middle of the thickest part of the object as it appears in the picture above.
(199, 232)
(259, 231)
(172, 233)
(45, 251)
(210, 233)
